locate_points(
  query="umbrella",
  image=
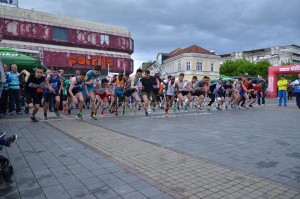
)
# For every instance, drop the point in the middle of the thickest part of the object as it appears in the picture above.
(10, 56)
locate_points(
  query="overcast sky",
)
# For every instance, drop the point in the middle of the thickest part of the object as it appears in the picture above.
(164, 25)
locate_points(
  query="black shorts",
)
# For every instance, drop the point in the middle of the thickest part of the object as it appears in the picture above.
(128, 93)
(253, 96)
(155, 92)
(65, 97)
(74, 91)
(48, 96)
(184, 93)
(32, 97)
(196, 94)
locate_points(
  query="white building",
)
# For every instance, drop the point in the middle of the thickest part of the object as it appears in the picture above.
(276, 55)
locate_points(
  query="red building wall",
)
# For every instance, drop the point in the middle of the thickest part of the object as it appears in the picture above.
(72, 61)
(42, 33)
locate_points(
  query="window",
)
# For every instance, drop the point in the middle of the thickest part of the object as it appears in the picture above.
(199, 66)
(212, 67)
(179, 66)
(188, 65)
(104, 40)
(60, 34)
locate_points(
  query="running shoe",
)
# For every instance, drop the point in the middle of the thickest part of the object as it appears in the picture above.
(208, 107)
(102, 114)
(123, 112)
(56, 113)
(69, 111)
(250, 105)
(33, 118)
(63, 110)
(93, 116)
(2, 135)
(11, 140)
(146, 114)
(218, 108)
(167, 115)
(79, 115)
(45, 116)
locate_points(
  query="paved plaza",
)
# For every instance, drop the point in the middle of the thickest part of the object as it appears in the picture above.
(251, 153)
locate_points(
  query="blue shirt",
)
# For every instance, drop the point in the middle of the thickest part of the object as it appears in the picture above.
(91, 76)
(15, 82)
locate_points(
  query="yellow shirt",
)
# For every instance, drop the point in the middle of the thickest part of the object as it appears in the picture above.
(282, 85)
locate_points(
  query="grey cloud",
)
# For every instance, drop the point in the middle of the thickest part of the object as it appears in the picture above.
(163, 25)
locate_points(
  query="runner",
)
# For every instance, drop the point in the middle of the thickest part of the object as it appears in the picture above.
(75, 92)
(101, 95)
(90, 80)
(65, 95)
(53, 87)
(243, 92)
(147, 89)
(236, 87)
(120, 84)
(228, 89)
(171, 88)
(216, 90)
(30, 92)
(251, 92)
(191, 85)
(201, 89)
(156, 91)
(132, 89)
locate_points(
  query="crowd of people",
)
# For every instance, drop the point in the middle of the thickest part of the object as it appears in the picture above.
(115, 94)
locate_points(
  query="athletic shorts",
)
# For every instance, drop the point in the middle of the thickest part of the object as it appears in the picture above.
(184, 93)
(32, 97)
(75, 91)
(102, 96)
(155, 91)
(65, 97)
(242, 93)
(119, 93)
(47, 96)
(90, 89)
(196, 94)
(147, 94)
(253, 95)
(128, 93)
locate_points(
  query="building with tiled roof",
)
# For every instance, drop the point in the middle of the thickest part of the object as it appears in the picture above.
(192, 61)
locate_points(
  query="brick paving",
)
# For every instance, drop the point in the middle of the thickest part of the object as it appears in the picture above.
(187, 176)
(179, 157)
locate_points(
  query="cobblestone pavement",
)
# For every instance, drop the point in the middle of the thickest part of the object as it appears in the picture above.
(225, 154)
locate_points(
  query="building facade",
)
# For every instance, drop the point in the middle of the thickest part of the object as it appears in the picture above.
(277, 55)
(192, 61)
(65, 42)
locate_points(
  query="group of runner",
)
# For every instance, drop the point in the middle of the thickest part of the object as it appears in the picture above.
(115, 94)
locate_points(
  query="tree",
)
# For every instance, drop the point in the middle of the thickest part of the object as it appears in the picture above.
(242, 66)
(146, 65)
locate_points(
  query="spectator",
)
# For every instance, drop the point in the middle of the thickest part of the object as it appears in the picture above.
(14, 90)
(4, 95)
(282, 88)
(296, 85)
(261, 96)
(290, 90)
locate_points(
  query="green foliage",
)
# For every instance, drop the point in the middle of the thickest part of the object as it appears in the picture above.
(146, 65)
(242, 66)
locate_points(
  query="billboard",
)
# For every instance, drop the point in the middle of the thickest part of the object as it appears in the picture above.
(10, 2)
(36, 32)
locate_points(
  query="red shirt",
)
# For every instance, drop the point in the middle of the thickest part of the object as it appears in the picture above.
(246, 84)
(257, 88)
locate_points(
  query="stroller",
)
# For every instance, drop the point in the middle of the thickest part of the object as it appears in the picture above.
(6, 169)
